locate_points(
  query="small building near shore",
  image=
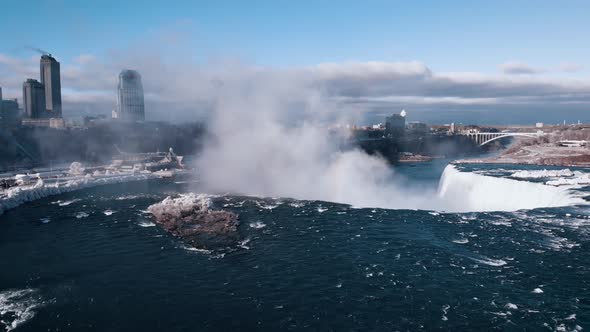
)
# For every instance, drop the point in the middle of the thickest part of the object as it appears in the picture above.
(573, 143)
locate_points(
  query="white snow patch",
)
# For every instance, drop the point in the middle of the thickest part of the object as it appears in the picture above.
(182, 204)
(15, 196)
(543, 174)
(579, 179)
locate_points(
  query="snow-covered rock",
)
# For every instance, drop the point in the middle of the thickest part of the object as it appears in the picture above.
(543, 174)
(189, 217)
(582, 179)
(180, 205)
(76, 169)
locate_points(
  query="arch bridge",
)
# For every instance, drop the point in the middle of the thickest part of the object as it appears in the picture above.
(485, 138)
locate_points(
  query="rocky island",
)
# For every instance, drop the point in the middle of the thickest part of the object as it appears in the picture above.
(191, 218)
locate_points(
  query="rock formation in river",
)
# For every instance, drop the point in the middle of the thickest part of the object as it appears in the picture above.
(189, 217)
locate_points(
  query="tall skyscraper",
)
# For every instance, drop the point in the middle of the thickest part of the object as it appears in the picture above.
(50, 78)
(130, 105)
(34, 100)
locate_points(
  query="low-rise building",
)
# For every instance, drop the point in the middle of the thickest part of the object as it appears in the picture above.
(395, 125)
(9, 115)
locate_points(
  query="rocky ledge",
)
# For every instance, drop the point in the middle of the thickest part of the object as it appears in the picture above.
(191, 218)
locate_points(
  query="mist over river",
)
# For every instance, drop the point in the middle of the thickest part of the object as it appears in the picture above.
(94, 260)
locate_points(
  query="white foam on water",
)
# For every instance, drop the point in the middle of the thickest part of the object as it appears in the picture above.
(81, 215)
(268, 206)
(127, 197)
(45, 220)
(108, 212)
(461, 241)
(146, 224)
(537, 291)
(197, 250)
(66, 203)
(19, 306)
(511, 306)
(445, 310)
(490, 261)
(297, 204)
(257, 225)
(243, 244)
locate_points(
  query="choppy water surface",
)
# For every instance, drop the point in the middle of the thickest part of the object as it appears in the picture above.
(93, 260)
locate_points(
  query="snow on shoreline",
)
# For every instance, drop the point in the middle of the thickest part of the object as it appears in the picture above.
(579, 179)
(562, 177)
(544, 174)
(19, 195)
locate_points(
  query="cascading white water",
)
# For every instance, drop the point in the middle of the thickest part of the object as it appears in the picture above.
(470, 192)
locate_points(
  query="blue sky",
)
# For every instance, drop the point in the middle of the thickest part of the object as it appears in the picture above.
(436, 58)
(447, 35)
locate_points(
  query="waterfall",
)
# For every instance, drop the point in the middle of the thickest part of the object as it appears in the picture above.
(469, 192)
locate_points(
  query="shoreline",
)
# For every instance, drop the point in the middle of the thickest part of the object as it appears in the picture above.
(539, 154)
(19, 195)
(521, 163)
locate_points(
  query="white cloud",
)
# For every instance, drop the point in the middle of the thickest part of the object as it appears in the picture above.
(176, 88)
(519, 68)
(570, 67)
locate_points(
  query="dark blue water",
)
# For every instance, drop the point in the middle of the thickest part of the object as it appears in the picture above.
(301, 265)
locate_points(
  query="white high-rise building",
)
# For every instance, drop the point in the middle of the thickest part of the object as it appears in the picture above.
(130, 104)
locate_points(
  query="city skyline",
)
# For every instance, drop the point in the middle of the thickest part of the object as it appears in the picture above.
(518, 59)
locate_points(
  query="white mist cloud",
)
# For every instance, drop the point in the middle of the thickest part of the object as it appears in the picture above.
(519, 68)
(570, 67)
(257, 151)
